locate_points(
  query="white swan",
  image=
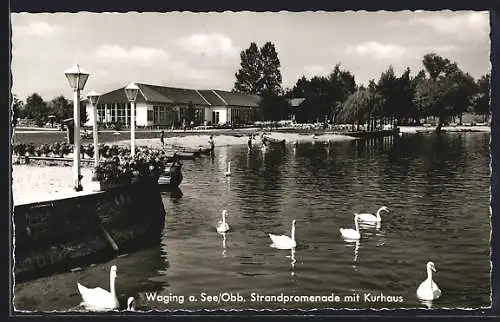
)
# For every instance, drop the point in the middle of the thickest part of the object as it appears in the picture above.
(372, 218)
(428, 290)
(222, 226)
(98, 298)
(228, 172)
(282, 241)
(349, 233)
(131, 304)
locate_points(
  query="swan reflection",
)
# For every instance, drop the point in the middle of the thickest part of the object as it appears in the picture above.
(355, 259)
(223, 244)
(427, 303)
(292, 261)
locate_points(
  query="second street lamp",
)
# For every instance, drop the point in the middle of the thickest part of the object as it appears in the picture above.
(77, 77)
(131, 91)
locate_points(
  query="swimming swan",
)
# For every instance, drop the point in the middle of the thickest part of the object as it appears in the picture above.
(372, 218)
(282, 241)
(428, 290)
(228, 172)
(222, 226)
(131, 304)
(349, 233)
(98, 298)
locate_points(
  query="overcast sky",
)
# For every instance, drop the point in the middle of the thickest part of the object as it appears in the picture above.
(201, 50)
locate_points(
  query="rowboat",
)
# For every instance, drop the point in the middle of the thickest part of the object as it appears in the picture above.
(172, 175)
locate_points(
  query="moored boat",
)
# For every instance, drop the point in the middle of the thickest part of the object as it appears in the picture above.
(172, 175)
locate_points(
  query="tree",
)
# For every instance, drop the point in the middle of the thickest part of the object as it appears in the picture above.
(248, 77)
(17, 109)
(271, 76)
(406, 91)
(435, 65)
(358, 106)
(341, 85)
(447, 93)
(323, 95)
(260, 70)
(481, 101)
(61, 108)
(274, 107)
(387, 87)
(36, 109)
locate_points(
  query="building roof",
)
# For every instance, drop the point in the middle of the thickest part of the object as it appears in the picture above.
(238, 99)
(163, 94)
(212, 97)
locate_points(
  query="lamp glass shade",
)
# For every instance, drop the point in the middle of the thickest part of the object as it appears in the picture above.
(93, 97)
(131, 91)
(77, 77)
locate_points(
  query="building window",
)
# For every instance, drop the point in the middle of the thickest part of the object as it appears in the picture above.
(100, 113)
(215, 117)
(151, 116)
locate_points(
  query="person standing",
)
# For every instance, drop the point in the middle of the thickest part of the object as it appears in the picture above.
(249, 142)
(212, 143)
(162, 139)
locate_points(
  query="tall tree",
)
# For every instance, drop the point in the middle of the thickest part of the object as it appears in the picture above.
(387, 87)
(260, 70)
(271, 75)
(248, 77)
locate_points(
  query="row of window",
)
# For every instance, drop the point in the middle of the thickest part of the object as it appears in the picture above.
(165, 115)
(240, 115)
(119, 112)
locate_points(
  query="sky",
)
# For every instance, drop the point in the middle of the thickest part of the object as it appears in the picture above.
(202, 50)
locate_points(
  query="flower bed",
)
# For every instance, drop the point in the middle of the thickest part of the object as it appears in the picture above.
(124, 169)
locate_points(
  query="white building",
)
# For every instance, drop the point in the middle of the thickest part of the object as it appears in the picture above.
(160, 106)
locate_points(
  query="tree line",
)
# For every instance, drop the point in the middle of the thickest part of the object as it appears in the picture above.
(440, 90)
(43, 112)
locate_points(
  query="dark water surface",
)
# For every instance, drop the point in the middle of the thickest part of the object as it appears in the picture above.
(436, 187)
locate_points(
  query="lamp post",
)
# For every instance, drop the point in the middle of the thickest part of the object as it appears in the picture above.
(77, 77)
(94, 99)
(131, 91)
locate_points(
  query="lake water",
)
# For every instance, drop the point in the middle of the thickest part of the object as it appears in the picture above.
(436, 187)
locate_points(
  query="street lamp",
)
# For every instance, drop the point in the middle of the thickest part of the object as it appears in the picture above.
(131, 91)
(77, 77)
(94, 99)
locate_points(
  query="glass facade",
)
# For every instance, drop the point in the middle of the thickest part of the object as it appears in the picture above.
(114, 113)
(241, 115)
